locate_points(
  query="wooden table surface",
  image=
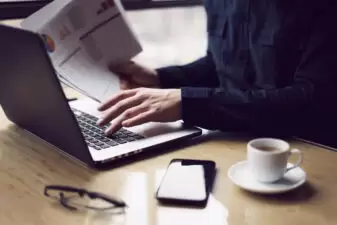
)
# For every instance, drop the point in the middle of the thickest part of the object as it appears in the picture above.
(28, 164)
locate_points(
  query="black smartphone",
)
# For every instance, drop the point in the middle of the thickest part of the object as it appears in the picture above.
(186, 182)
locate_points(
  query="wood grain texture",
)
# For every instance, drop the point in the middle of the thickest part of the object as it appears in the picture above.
(27, 164)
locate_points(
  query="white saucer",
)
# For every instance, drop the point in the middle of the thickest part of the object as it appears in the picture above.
(240, 175)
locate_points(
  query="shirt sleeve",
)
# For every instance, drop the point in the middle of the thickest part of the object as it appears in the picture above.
(279, 110)
(200, 73)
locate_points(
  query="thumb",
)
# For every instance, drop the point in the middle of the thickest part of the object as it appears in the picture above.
(124, 84)
(123, 72)
(120, 67)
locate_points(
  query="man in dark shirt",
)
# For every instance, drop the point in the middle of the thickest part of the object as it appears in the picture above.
(271, 66)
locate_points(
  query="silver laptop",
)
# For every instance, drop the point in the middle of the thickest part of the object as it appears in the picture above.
(31, 97)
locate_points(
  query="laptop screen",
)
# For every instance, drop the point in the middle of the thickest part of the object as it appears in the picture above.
(17, 9)
(31, 95)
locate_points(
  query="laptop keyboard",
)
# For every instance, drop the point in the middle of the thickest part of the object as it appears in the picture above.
(94, 135)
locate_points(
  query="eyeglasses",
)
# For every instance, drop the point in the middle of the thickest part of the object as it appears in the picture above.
(75, 198)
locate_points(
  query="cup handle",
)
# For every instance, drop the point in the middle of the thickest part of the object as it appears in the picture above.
(299, 161)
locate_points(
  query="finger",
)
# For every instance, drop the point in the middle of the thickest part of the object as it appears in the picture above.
(128, 71)
(141, 118)
(119, 108)
(127, 84)
(116, 98)
(124, 84)
(120, 68)
(113, 128)
(120, 71)
(116, 124)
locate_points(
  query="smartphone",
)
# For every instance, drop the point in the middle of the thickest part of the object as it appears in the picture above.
(186, 181)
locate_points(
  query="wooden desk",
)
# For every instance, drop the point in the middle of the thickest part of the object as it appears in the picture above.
(27, 165)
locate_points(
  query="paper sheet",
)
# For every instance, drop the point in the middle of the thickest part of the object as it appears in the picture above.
(82, 38)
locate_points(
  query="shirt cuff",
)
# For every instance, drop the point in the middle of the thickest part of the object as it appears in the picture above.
(169, 77)
(196, 106)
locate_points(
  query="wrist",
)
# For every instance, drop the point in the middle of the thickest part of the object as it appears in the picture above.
(175, 96)
(156, 80)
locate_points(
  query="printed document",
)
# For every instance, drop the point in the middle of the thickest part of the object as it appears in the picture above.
(84, 37)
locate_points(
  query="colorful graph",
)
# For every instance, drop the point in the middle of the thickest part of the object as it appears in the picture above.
(48, 42)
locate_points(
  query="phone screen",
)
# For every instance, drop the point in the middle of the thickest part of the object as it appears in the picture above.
(185, 180)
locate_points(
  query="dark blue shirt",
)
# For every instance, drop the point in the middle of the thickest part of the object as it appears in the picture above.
(270, 65)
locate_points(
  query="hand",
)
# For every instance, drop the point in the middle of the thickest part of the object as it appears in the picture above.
(133, 75)
(137, 106)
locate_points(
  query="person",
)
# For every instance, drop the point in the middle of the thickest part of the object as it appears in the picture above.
(270, 66)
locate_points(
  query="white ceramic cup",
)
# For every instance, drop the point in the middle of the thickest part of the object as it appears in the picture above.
(270, 165)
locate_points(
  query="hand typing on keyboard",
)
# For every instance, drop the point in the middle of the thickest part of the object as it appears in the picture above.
(137, 106)
(94, 135)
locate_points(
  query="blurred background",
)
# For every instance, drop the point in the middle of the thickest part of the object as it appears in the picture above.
(170, 36)
(171, 32)
(10, 9)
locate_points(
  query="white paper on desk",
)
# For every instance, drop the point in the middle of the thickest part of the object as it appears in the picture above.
(83, 37)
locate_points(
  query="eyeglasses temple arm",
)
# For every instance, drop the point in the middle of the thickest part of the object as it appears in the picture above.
(118, 203)
(64, 188)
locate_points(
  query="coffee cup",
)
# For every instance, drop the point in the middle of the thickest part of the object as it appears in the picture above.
(268, 158)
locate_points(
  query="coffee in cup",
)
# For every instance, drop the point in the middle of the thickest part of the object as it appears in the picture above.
(268, 148)
(268, 158)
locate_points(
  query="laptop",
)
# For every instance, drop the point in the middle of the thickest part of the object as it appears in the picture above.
(32, 97)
